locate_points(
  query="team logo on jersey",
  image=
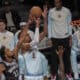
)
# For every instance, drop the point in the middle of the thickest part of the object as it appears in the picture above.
(59, 16)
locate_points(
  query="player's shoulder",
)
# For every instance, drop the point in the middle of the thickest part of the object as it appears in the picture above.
(66, 9)
(51, 9)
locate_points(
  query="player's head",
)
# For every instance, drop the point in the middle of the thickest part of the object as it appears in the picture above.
(27, 39)
(2, 24)
(58, 4)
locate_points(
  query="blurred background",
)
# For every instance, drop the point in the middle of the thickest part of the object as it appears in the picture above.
(23, 6)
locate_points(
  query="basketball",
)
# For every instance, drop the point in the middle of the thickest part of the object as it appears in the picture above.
(36, 11)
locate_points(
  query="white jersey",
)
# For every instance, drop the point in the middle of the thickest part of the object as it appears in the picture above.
(33, 68)
(7, 39)
(59, 23)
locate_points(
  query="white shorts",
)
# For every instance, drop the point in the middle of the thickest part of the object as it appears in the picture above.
(33, 78)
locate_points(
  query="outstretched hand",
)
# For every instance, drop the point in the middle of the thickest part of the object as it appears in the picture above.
(30, 19)
(45, 12)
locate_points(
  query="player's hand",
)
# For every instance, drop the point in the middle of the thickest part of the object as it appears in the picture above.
(45, 12)
(37, 21)
(60, 51)
(30, 20)
(26, 45)
(22, 36)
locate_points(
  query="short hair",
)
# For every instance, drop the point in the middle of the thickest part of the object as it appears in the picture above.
(3, 20)
(2, 52)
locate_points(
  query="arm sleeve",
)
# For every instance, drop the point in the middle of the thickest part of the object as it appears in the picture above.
(35, 41)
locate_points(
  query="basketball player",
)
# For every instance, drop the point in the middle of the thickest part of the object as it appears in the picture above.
(60, 31)
(32, 64)
(6, 37)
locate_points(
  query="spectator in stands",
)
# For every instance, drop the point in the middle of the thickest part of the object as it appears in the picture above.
(6, 37)
(11, 71)
(8, 65)
(75, 52)
(12, 17)
(60, 31)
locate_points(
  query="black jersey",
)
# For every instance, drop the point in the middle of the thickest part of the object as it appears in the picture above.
(12, 71)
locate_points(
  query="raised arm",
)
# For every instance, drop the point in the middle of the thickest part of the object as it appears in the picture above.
(35, 41)
(18, 46)
(44, 14)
